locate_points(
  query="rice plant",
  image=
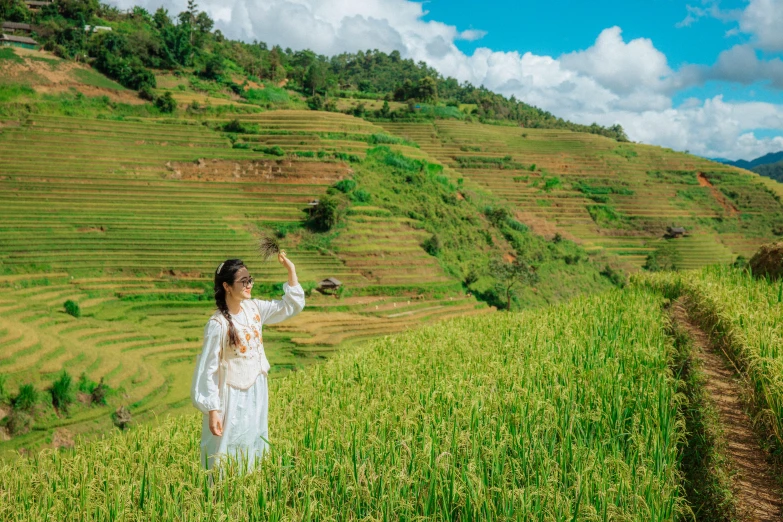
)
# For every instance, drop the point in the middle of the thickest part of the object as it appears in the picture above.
(744, 316)
(567, 413)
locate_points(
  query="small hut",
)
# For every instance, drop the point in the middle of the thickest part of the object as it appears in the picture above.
(311, 207)
(674, 232)
(14, 26)
(329, 284)
(18, 41)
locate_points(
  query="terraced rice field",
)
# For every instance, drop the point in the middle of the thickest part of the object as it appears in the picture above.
(130, 218)
(547, 176)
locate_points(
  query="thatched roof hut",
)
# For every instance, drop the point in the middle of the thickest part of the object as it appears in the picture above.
(672, 232)
(330, 283)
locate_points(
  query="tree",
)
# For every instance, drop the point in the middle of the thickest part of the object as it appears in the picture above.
(14, 11)
(166, 103)
(327, 213)
(427, 90)
(315, 79)
(509, 275)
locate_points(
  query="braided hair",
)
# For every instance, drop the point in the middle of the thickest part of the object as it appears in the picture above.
(226, 273)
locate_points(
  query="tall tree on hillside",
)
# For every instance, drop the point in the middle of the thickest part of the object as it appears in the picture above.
(510, 275)
(427, 90)
(315, 79)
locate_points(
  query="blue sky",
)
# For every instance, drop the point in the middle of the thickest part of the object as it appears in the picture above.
(704, 76)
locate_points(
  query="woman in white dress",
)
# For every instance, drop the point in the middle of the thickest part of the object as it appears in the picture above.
(230, 378)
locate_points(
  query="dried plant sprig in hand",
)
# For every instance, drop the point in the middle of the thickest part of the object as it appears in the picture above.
(269, 246)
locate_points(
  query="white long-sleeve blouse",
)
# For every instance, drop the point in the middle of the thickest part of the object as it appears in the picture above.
(205, 389)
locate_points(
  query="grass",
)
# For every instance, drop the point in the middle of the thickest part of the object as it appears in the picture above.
(8, 54)
(743, 315)
(91, 77)
(433, 436)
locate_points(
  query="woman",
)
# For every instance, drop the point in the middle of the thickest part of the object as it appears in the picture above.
(230, 379)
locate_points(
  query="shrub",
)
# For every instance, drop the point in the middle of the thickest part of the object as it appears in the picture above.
(432, 245)
(62, 392)
(26, 398)
(315, 102)
(327, 213)
(145, 93)
(617, 277)
(361, 196)
(308, 287)
(85, 385)
(3, 379)
(19, 422)
(166, 103)
(72, 308)
(234, 126)
(345, 185)
(99, 393)
(274, 151)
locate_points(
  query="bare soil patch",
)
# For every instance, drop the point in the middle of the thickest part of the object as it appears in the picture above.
(758, 495)
(48, 74)
(62, 438)
(272, 171)
(727, 205)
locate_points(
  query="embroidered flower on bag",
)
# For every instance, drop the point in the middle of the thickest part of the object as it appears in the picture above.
(257, 317)
(247, 336)
(243, 349)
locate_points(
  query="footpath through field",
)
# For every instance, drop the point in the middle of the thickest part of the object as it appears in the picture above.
(758, 496)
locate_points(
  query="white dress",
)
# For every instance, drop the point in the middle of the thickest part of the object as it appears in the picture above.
(244, 411)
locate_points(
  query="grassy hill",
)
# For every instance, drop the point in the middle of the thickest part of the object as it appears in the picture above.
(126, 210)
(613, 197)
(590, 409)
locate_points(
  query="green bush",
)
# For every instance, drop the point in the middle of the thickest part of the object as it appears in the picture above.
(26, 398)
(166, 103)
(327, 213)
(3, 380)
(432, 245)
(361, 196)
(234, 126)
(72, 308)
(62, 392)
(345, 185)
(85, 385)
(274, 151)
(308, 287)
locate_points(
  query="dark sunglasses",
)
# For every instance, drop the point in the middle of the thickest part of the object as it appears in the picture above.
(246, 281)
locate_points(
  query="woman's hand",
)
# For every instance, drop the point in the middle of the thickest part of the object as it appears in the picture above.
(292, 280)
(215, 423)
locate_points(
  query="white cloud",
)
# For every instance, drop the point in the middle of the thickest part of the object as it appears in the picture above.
(619, 66)
(471, 35)
(764, 19)
(612, 81)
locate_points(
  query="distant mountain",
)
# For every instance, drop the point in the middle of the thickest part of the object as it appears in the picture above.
(773, 170)
(772, 157)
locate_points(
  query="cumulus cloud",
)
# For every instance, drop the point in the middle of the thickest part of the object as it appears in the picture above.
(471, 35)
(620, 66)
(612, 81)
(713, 128)
(764, 20)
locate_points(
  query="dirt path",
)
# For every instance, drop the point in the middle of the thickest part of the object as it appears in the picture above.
(727, 205)
(758, 495)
